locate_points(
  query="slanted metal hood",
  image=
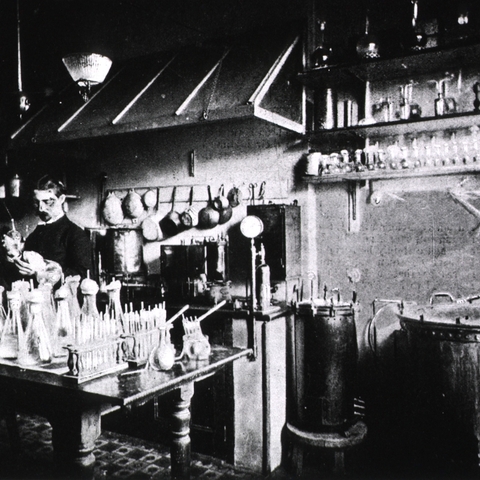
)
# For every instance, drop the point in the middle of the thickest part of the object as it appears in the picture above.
(251, 77)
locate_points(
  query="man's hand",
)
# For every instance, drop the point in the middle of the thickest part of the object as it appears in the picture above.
(24, 267)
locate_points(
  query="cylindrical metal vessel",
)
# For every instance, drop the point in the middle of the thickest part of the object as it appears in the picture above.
(322, 378)
(124, 250)
(444, 382)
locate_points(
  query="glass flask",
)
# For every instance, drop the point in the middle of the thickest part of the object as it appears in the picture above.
(3, 315)
(367, 45)
(36, 348)
(321, 56)
(86, 327)
(114, 304)
(23, 288)
(49, 311)
(12, 332)
(64, 326)
(162, 357)
(72, 282)
(418, 39)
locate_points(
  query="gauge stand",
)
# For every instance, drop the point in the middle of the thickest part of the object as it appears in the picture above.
(251, 227)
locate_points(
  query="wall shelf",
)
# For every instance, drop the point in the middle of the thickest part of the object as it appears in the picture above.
(402, 127)
(427, 61)
(389, 174)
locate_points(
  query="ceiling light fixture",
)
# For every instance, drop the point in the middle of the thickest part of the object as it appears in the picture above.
(87, 69)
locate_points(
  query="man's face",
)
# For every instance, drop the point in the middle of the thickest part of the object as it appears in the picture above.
(47, 204)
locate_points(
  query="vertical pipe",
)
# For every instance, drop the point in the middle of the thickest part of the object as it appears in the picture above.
(266, 463)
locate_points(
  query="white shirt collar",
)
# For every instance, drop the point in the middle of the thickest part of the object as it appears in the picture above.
(52, 220)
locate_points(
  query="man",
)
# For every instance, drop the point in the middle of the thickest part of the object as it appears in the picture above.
(56, 237)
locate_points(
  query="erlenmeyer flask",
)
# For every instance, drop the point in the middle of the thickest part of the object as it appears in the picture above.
(23, 288)
(64, 326)
(114, 304)
(3, 315)
(12, 333)
(49, 311)
(37, 348)
(72, 282)
(87, 325)
(367, 45)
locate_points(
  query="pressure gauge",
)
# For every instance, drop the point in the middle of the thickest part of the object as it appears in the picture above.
(251, 226)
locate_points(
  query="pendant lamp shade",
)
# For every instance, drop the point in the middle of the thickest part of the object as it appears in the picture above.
(87, 69)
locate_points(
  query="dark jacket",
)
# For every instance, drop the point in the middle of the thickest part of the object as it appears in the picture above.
(63, 242)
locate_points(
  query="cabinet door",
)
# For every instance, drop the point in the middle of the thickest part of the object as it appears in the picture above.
(281, 238)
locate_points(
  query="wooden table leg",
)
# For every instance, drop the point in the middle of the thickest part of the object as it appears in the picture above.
(74, 432)
(180, 448)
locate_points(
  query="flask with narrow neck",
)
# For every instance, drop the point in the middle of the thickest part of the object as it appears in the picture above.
(64, 326)
(12, 332)
(322, 54)
(367, 45)
(37, 348)
(114, 304)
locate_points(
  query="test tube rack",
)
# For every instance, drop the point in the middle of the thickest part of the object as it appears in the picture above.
(139, 345)
(141, 332)
(89, 361)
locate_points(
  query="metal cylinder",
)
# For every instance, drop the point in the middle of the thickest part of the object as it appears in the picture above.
(443, 384)
(321, 382)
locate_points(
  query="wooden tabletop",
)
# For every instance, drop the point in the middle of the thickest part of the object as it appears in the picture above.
(125, 387)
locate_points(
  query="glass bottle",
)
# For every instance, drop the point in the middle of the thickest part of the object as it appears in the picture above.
(346, 161)
(359, 167)
(416, 154)
(37, 348)
(12, 332)
(367, 45)
(418, 39)
(321, 56)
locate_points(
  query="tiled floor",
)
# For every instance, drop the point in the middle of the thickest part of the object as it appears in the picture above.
(118, 457)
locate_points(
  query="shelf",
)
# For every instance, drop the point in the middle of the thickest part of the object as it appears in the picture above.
(424, 62)
(428, 124)
(393, 174)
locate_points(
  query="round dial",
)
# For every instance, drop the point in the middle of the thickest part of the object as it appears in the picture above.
(251, 226)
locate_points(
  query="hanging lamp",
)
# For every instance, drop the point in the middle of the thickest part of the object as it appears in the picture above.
(23, 102)
(87, 69)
